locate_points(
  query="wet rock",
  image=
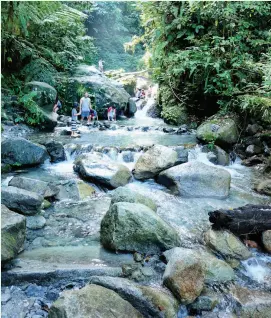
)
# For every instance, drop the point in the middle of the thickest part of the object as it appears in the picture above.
(223, 131)
(252, 161)
(128, 156)
(182, 154)
(221, 156)
(20, 200)
(135, 227)
(252, 150)
(68, 189)
(252, 303)
(196, 179)
(124, 194)
(212, 157)
(153, 161)
(227, 244)
(85, 190)
(146, 128)
(131, 292)
(266, 238)
(66, 132)
(56, 151)
(205, 303)
(253, 129)
(22, 153)
(138, 257)
(13, 227)
(215, 270)
(153, 109)
(95, 168)
(35, 222)
(92, 301)
(34, 290)
(168, 130)
(46, 204)
(42, 188)
(45, 97)
(182, 129)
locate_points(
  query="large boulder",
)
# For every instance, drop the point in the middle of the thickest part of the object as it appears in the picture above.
(151, 302)
(135, 227)
(45, 98)
(95, 168)
(20, 200)
(222, 131)
(22, 152)
(251, 303)
(92, 301)
(227, 244)
(153, 110)
(196, 179)
(124, 194)
(221, 156)
(264, 187)
(187, 270)
(107, 91)
(266, 238)
(42, 188)
(56, 151)
(153, 161)
(13, 226)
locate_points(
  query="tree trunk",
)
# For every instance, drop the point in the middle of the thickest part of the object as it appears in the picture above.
(249, 219)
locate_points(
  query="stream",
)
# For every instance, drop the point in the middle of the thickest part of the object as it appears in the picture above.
(67, 250)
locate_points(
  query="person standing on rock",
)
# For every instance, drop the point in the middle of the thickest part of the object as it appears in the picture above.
(85, 107)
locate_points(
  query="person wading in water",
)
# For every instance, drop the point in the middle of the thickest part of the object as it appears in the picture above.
(85, 107)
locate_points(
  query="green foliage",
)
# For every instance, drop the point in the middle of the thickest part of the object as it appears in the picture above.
(112, 24)
(207, 54)
(33, 114)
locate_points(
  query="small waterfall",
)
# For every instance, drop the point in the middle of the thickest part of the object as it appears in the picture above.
(142, 113)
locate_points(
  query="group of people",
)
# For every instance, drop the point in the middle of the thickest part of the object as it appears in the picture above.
(140, 93)
(85, 110)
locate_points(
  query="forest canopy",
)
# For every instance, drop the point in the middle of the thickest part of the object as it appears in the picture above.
(209, 56)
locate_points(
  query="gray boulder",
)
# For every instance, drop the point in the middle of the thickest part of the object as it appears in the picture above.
(67, 190)
(92, 301)
(151, 302)
(128, 156)
(153, 110)
(264, 187)
(215, 270)
(35, 222)
(252, 303)
(227, 244)
(20, 200)
(266, 238)
(221, 156)
(42, 188)
(135, 227)
(253, 129)
(56, 151)
(124, 194)
(153, 161)
(45, 98)
(196, 179)
(222, 131)
(13, 226)
(22, 152)
(252, 150)
(95, 168)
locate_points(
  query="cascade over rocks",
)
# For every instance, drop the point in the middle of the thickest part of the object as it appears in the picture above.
(106, 90)
(221, 157)
(124, 194)
(196, 179)
(13, 227)
(227, 244)
(45, 98)
(22, 152)
(135, 227)
(20, 200)
(222, 131)
(153, 161)
(148, 301)
(45, 189)
(92, 301)
(94, 167)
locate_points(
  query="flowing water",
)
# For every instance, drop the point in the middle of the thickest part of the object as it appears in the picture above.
(74, 242)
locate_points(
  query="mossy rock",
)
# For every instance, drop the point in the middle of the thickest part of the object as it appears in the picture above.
(46, 204)
(85, 190)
